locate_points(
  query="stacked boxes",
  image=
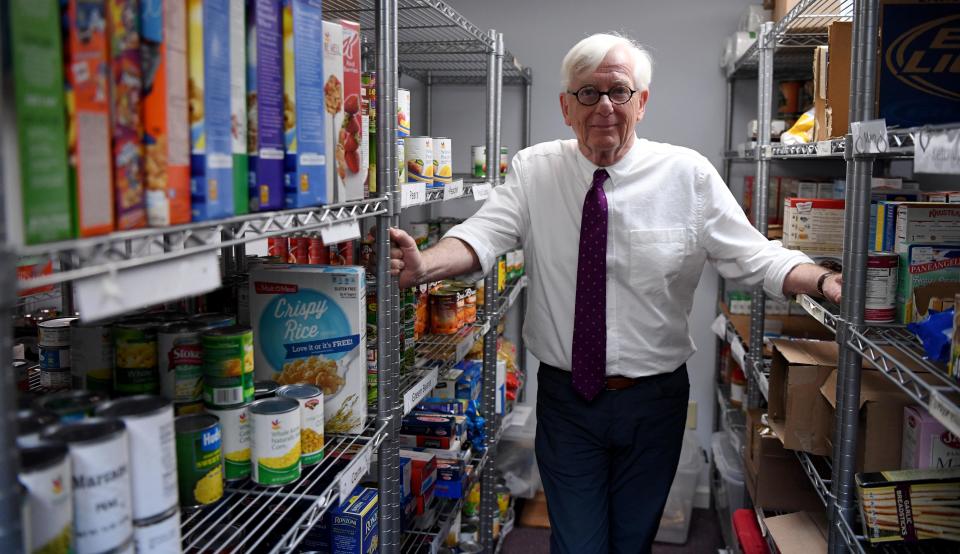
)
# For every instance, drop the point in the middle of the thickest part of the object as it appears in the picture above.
(238, 105)
(265, 105)
(333, 103)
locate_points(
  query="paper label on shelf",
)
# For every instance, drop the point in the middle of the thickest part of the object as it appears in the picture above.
(355, 471)
(418, 392)
(824, 148)
(340, 232)
(869, 137)
(412, 194)
(719, 326)
(481, 191)
(119, 292)
(945, 412)
(736, 349)
(937, 152)
(453, 190)
(518, 416)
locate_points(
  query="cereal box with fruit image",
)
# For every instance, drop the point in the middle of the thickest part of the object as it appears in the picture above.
(333, 91)
(309, 326)
(352, 153)
(265, 105)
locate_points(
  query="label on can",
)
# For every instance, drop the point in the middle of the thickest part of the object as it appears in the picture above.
(881, 287)
(227, 367)
(199, 463)
(159, 537)
(317, 253)
(54, 358)
(55, 332)
(50, 508)
(275, 446)
(135, 369)
(235, 425)
(504, 161)
(403, 112)
(91, 357)
(479, 156)
(442, 161)
(180, 365)
(101, 494)
(277, 246)
(311, 420)
(418, 159)
(298, 250)
(55, 379)
(188, 408)
(153, 459)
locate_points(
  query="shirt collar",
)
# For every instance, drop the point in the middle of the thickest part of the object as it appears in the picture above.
(618, 172)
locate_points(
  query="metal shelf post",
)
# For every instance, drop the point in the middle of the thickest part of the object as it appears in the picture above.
(527, 105)
(11, 534)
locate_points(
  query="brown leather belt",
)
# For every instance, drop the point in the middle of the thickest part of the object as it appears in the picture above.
(617, 382)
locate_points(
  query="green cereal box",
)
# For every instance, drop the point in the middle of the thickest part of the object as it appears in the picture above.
(238, 104)
(37, 190)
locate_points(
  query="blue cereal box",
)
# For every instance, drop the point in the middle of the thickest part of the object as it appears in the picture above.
(265, 105)
(354, 526)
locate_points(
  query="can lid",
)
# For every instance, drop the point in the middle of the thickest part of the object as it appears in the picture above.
(69, 400)
(194, 422)
(36, 458)
(57, 323)
(139, 324)
(84, 431)
(299, 390)
(230, 330)
(214, 318)
(138, 405)
(274, 406)
(184, 326)
(265, 388)
(34, 420)
(161, 518)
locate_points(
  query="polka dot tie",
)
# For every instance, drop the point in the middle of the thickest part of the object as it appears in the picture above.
(589, 363)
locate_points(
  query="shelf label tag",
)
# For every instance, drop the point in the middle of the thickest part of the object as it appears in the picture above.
(481, 191)
(736, 348)
(937, 152)
(869, 137)
(945, 411)
(418, 392)
(824, 148)
(125, 290)
(453, 190)
(412, 194)
(355, 471)
(340, 232)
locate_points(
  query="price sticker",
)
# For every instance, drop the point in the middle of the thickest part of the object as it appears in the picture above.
(351, 476)
(412, 194)
(340, 232)
(419, 391)
(482, 191)
(946, 412)
(869, 137)
(937, 152)
(453, 190)
(824, 148)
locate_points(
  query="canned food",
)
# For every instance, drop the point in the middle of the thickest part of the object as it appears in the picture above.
(298, 249)
(46, 477)
(341, 254)
(310, 398)
(22, 371)
(421, 234)
(55, 332)
(278, 246)
(212, 320)
(317, 252)
(159, 535)
(72, 405)
(189, 408)
(275, 444)
(235, 441)
(30, 423)
(504, 160)
(469, 532)
(442, 160)
(478, 154)
(91, 356)
(199, 460)
(403, 112)
(401, 158)
(54, 379)
(418, 157)
(135, 351)
(153, 452)
(100, 464)
(881, 293)
(471, 505)
(503, 500)
(180, 362)
(227, 366)
(469, 547)
(264, 389)
(443, 312)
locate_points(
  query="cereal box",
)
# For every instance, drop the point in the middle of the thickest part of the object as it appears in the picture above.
(209, 89)
(126, 76)
(926, 223)
(309, 326)
(265, 105)
(333, 100)
(813, 225)
(353, 156)
(166, 131)
(303, 104)
(238, 105)
(928, 275)
(355, 524)
(369, 83)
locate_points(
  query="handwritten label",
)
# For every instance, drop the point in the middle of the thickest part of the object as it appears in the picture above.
(481, 191)
(824, 148)
(412, 194)
(947, 413)
(419, 391)
(453, 190)
(351, 476)
(937, 152)
(340, 232)
(869, 137)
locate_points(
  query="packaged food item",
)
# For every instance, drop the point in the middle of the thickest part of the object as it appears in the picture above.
(352, 156)
(265, 110)
(275, 445)
(921, 223)
(298, 250)
(227, 366)
(420, 231)
(813, 225)
(478, 155)
(199, 460)
(444, 319)
(158, 535)
(442, 161)
(214, 320)
(333, 101)
(55, 368)
(180, 363)
(341, 254)
(881, 294)
(48, 484)
(135, 351)
(403, 112)
(418, 159)
(929, 275)
(30, 423)
(909, 505)
(166, 133)
(235, 440)
(238, 106)
(309, 327)
(401, 165)
(264, 388)
(71, 405)
(305, 182)
(317, 252)
(355, 523)
(278, 247)
(927, 444)
(87, 62)
(209, 96)
(310, 398)
(368, 82)
(504, 161)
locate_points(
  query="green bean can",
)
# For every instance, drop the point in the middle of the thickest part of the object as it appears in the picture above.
(135, 354)
(199, 460)
(227, 366)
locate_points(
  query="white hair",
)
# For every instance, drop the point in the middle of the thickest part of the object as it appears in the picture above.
(586, 55)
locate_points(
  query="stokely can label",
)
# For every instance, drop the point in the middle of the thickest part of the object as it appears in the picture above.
(227, 366)
(47, 479)
(418, 159)
(442, 161)
(310, 398)
(881, 292)
(55, 332)
(199, 460)
(235, 437)
(135, 354)
(180, 362)
(275, 444)
(91, 356)
(159, 535)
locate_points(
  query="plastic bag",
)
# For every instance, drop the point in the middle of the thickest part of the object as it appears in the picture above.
(935, 332)
(801, 132)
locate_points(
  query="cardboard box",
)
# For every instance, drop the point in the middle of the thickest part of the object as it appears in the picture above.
(782, 8)
(433, 425)
(423, 501)
(926, 224)
(353, 130)
(423, 470)
(406, 474)
(774, 199)
(799, 532)
(209, 91)
(303, 104)
(446, 388)
(799, 414)
(333, 100)
(87, 60)
(928, 275)
(813, 225)
(831, 82)
(166, 131)
(265, 105)
(238, 105)
(909, 505)
(426, 441)
(309, 325)
(948, 196)
(917, 74)
(355, 526)
(927, 444)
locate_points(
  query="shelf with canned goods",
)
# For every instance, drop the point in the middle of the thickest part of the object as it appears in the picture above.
(442, 352)
(509, 295)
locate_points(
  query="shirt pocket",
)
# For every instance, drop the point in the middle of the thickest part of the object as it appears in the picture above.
(656, 256)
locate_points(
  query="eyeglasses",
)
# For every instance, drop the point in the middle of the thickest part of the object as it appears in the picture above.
(589, 95)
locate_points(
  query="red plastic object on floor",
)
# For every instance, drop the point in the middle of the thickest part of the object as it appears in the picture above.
(747, 530)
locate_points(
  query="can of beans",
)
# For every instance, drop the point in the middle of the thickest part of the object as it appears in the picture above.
(478, 155)
(100, 462)
(317, 252)
(55, 332)
(71, 405)
(213, 320)
(341, 253)
(199, 460)
(30, 423)
(153, 453)
(881, 293)
(55, 368)
(235, 441)
(442, 161)
(159, 535)
(444, 318)
(275, 444)
(310, 398)
(91, 356)
(278, 246)
(180, 362)
(418, 157)
(227, 366)
(47, 481)
(264, 389)
(298, 249)
(135, 354)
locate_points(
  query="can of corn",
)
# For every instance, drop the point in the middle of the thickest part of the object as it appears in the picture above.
(235, 433)
(199, 460)
(275, 444)
(310, 398)
(180, 362)
(46, 477)
(227, 366)
(135, 354)
(213, 320)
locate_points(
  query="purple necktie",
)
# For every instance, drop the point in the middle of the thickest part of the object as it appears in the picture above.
(589, 363)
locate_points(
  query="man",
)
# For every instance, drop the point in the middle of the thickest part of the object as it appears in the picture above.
(615, 232)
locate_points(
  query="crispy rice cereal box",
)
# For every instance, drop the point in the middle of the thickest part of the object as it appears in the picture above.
(352, 153)
(265, 104)
(309, 326)
(238, 105)
(166, 133)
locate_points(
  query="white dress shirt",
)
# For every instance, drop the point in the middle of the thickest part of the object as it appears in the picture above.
(669, 212)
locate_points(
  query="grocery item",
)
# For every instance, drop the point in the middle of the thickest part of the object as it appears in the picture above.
(71, 405)
(881, 291)
(311, 420)
(153, 457)
(442, 161)
(923, 223)
(91, 356)
(265, 109)
(401, 166)
(135, 351)
(179, 362)
(928, 276)
(298, 249)
(813, 225)
(444, 319)
(309, 327)
(926, 443)
(238, 106)
(214, 320)
(478, 156)
(403, 112)
(159, 535)
(421, 234)
(340, 254)
(166, 134)
(55, 368)
(333, 102)
(418, 159)
(317, 252)
(909, 505)
(353, 130)
(504, 161)
(275, 443)
(55, 332)
(199, 460)
(47, 482)
(355, 523)
(235, 440)
(368, 81)
(264, 389)
(278, 247)
(227, 366)
(100, 466)
(30, 423)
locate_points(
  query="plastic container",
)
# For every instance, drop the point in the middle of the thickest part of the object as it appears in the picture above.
(729, 463)
(675, 523)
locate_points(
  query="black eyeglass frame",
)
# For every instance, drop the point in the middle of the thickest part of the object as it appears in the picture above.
(576, 94)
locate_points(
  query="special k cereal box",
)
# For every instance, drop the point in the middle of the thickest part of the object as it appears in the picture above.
(238, 105)
(303, 104)
(209, 89)
(265, 105)
(123, 17)
(166, 133)
(353, 156)
(309, 326)
(333, 94)
(88, 107)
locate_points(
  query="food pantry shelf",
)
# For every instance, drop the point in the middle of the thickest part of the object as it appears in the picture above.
(442, 352)
(415, 386)
(508, 297)
(823, 312)
(251, 518)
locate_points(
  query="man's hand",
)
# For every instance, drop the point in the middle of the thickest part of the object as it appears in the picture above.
(833, 288)
(405, 259)
(803, 279)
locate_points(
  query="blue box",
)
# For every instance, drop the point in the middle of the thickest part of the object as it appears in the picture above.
(443, 406)
(456, 488)
(354, 525)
